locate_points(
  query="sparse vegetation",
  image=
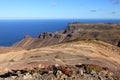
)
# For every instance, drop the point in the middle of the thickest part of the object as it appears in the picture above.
(58, 57)
(12, 60)
(77, 39)
(47, 54)
(37, 56)
(90, 67)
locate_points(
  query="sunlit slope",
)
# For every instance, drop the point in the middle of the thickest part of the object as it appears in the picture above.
(78, 52)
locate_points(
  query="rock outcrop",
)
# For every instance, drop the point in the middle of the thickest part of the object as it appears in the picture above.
(61, 72)
(109, 33)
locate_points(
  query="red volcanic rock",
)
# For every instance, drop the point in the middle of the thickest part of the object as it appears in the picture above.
(65, 70)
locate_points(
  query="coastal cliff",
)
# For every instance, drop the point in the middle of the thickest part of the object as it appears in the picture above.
(109, 33)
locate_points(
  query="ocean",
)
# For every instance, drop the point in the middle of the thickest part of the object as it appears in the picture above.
(12, 31)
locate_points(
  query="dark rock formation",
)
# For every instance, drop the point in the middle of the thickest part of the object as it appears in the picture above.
(45, 35)
(118, 44)
(109, 33)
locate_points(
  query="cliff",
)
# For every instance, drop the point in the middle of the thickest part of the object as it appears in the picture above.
(109, 33)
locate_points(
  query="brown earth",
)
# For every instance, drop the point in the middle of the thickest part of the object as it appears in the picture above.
(8, 49)
(77, 52)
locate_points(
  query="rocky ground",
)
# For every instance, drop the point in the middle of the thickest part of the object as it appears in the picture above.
(61, 72)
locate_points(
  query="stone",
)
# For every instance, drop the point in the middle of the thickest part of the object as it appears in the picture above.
(110, 74)
(101, 78)
(56, 65)
(93, 72)
(59, 73)
(63, 76)
(27, 76)
(104, 72)
(81, 72)
(13, 77)
(50, 72)
(41, 66)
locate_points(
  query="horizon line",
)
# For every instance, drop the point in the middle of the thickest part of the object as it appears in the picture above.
(62, 19)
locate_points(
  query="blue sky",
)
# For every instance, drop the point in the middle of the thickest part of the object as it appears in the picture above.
(59, 9)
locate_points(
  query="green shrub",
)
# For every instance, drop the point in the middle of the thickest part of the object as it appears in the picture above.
(96, 68)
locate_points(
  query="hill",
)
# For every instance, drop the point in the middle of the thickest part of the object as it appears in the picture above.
(94, 54)
(109, 33)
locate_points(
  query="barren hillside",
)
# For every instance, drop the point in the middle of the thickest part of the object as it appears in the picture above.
(78, 52)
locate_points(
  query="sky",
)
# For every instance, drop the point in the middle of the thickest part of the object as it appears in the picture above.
(59, 9)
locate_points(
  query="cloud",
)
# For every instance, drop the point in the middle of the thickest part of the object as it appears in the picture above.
(54, 4)
(113, 12)
(93, 10)
(115, 2)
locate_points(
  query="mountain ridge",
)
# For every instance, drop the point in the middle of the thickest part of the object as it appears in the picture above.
(109, 33)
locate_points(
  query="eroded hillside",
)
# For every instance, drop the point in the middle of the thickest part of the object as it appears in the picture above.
(109, 33)
(78, 52)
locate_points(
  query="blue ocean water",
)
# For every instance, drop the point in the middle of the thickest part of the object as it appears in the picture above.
(12, 31)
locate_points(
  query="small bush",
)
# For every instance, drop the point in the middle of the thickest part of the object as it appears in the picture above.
(37, 56)
(58, 57)
(47, 54)
(12, 60)
(90, 67)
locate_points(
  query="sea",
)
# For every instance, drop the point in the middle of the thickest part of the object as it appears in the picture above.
(12, 31)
